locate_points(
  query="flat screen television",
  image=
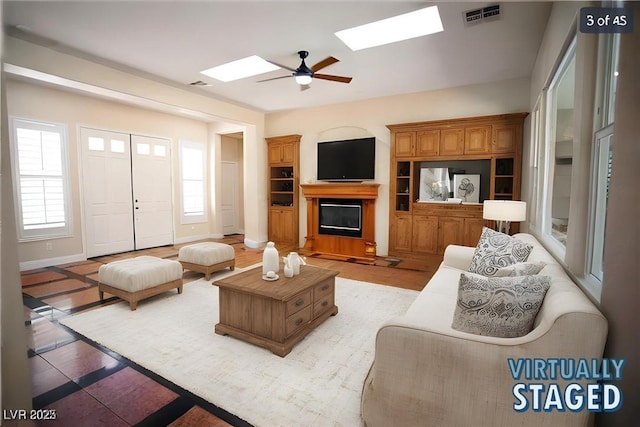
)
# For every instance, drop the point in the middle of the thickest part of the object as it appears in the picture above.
(347, 160)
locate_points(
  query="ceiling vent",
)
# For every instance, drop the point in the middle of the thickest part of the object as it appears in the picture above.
(476, 16)
(199, 83)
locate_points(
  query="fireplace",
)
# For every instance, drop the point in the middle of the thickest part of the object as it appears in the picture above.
(340, 217)
(341, 221)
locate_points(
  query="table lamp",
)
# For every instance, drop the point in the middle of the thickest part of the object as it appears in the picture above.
(503, 212)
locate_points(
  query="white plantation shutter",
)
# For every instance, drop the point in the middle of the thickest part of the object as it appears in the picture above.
(40, 165)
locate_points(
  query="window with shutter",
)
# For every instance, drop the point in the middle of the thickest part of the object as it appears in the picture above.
(40, 164)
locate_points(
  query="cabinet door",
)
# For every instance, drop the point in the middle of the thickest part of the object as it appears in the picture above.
(450, 232)
(281, 225)
(404, 143)
(505, 139)
(287, 153)
(425, 234)
(451, 142)
(472, 231)
(274, 153)
(476, 140)
(401, 233)
(427, 143)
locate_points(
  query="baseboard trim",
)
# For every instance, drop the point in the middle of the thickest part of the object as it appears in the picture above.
(252, 243)
(181, 240)
(48, 262)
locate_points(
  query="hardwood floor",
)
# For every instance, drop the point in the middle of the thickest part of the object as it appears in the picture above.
(89, 385)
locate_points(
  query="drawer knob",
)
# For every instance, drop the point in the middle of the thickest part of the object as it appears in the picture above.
(298, 322)
(324, 288)
(325, 303)
(299, 302)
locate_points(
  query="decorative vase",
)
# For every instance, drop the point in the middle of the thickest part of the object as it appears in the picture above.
(270, 259)
(295, 262)
(288, 270)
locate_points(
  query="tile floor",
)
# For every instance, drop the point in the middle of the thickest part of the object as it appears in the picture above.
(89, 385)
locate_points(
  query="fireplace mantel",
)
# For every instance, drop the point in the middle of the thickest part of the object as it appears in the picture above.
(361, 249)
(341, 190)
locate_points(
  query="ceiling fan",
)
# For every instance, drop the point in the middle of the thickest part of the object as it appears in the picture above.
(305, 75)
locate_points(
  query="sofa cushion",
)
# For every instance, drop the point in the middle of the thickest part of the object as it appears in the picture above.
(504, 307)
(496, 250)
(520, 269)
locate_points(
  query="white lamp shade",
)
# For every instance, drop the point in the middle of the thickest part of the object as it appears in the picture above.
(504, 210)
(303, 79)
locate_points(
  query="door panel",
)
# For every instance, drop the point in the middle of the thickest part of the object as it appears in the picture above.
(229, 205)
(106, 185)
(152, 200)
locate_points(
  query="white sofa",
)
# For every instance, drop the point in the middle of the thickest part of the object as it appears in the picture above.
(426, 373)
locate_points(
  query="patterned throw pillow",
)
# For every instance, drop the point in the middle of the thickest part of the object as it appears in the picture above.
(496, 250)
(520, 269)
(504, 307)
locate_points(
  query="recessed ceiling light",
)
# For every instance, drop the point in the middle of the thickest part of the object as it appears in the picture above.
(402, 27)
(235, 70)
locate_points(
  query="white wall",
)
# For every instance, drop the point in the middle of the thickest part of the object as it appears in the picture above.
(370, 117)
(37, 62)
(38, 102)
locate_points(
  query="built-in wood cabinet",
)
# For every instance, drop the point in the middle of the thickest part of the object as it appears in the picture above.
(432, 227)
(490, 143)
(282, 152)
(425, 237)
(451, 142)
(477, 140)
(282, 188)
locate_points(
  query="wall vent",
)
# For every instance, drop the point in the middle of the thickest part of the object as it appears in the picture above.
(475, 16)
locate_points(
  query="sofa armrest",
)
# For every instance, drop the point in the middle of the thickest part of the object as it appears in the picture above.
(458, 256)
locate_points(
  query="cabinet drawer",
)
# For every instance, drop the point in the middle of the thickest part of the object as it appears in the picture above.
(323, 289)
(297, 303)
(322, 305)
(297, 320)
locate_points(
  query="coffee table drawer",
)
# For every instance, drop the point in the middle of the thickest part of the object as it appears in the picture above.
(298, 302)
(322, 305)
(298, 320)
(323, 289)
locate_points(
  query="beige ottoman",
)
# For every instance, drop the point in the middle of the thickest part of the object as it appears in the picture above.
(207, 257)
(139, 278)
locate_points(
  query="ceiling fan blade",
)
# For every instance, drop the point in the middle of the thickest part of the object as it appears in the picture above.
(274, 78)
(340, 79)
(324, 63)
(286, 67)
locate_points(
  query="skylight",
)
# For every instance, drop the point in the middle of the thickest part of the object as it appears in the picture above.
(402, 27)
(235, 70)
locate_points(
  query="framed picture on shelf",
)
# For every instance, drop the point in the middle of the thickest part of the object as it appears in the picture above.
(467, 187)
(434, 184)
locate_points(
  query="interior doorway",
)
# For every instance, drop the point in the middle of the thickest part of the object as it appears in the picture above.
(232, 205)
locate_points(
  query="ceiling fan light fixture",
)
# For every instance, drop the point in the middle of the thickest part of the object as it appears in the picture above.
(303, 79)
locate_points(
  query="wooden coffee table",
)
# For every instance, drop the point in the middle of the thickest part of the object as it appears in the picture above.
(275, 315)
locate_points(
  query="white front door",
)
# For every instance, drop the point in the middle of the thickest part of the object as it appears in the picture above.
(229, 205)
(152, 201)
(106, 185)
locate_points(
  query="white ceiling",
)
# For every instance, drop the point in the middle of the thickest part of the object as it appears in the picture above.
(174, 40)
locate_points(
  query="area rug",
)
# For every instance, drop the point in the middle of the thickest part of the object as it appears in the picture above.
(319, 383)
